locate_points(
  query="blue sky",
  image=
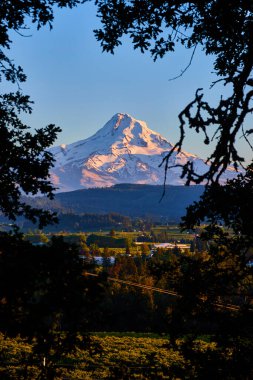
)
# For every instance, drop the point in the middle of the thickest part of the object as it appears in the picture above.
(76, 86)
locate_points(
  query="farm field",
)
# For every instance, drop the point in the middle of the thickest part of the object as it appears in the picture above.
(154, 235)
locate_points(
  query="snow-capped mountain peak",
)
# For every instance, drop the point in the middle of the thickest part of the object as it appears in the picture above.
(128, 131)
(124, 150)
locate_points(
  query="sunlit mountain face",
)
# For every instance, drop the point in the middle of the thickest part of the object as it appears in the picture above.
(124, 150)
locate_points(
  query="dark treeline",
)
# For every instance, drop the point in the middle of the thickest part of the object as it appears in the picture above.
(47, 299)
(133, 200)
(72, 222)
(128, 308)
(107, 241)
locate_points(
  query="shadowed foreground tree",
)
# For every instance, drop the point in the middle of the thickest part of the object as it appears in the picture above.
(45, 297)
(221, 29)
(24, 159)
(231, 205)
(220, 275)
(43, 294)
(216, 286)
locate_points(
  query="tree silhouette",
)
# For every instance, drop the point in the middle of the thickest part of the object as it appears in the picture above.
(24, 159)
(45, 297)
(220, 275)
(221, 29)
(43, 294)
(216, 284)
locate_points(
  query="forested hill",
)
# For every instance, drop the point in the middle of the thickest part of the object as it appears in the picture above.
(127, 199)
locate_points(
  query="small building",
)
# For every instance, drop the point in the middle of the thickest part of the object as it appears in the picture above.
(170, 246)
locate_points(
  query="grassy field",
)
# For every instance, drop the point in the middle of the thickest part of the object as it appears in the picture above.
(172, 233)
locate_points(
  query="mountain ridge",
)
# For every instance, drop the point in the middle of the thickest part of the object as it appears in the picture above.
(133, 200)
(124, 150)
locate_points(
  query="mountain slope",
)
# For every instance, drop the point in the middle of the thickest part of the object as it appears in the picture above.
(125, 150)
(133, 200)
(125, 199)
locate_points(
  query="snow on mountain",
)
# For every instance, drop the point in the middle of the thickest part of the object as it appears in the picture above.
(125, 150)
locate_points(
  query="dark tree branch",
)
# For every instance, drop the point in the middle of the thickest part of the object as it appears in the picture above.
(24, 159)
(203, 23)
(186, 68)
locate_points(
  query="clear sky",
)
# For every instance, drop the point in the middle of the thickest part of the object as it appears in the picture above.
(76, 86)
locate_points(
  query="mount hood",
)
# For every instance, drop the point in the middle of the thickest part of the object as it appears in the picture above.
(124, 150)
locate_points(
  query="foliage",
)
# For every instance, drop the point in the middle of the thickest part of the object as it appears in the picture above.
(223, 30)
(24, 159)
(44, 295)
(123, 357)
(110, 357)
(56, 309)
(107, 241)
(112, 233)
(228, 206)
(15, 17)
(74, 222)
(216, 285)
(209, 280)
